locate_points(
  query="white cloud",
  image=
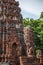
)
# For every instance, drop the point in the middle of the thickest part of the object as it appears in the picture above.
(32, 6)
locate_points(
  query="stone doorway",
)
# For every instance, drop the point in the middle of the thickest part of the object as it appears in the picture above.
(14, 49)
(14, 54)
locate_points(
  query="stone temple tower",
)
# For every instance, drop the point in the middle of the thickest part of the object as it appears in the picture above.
(11, 31)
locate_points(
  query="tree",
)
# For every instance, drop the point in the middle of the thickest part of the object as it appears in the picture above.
(25, 22)
(37, 27)
(41, 16)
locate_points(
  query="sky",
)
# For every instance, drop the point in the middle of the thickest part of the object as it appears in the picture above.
(31, 8)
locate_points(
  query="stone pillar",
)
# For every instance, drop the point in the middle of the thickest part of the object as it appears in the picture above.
(29, 40)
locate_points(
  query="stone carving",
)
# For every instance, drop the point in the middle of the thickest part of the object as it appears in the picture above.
(14, 42)
(11, 31)
(29, 40)
(30, 51)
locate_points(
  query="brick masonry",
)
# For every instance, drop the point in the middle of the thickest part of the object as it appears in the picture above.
(11, 31)
(16, 43)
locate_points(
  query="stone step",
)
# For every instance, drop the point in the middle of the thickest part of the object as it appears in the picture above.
(27, 61)
(29, 64)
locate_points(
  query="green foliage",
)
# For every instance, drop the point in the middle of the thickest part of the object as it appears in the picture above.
(41, 16)
(37, 27)
(25, 22)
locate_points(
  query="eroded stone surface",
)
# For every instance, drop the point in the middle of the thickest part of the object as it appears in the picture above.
(29, 40)
(11, 31)
(16, 45)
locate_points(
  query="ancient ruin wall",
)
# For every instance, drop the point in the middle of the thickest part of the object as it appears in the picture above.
(11, 30)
